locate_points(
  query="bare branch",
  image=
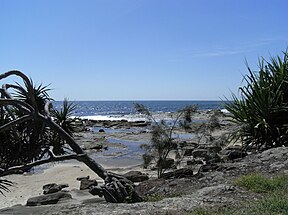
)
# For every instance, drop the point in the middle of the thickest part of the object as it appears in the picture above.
(54, 158)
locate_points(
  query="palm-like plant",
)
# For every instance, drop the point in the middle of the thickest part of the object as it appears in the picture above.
(27, 139)
(64, 118)
(29, 121)
(4, 184)
(262, 109)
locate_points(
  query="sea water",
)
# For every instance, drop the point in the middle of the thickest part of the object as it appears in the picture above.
(113, 110)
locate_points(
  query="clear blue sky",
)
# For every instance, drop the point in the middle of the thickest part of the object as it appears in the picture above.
(140, 49)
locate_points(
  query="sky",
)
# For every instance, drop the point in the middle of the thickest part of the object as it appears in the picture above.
(140, 49)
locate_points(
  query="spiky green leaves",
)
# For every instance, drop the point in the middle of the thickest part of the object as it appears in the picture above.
(261, 111)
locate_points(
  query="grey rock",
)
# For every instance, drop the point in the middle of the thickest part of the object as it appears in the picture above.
(94, 190)
(51, 198)
(87, 183)
(53, 188)
(200, 153)
(82, 178)
(136, 176)
(188, 150)
(194, 162)
(97, 146)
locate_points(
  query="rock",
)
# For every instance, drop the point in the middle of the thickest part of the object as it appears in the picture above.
(148, 187)
(214, 149)
(233, 154)
(188, 150)
(51, 198)
(87, 183)
(101, 131)
(53, 188)
(209, 167)
(97, 146)
(189, 144)
(179, 173)
(194, 162)
(81, 178)
(136, 176)
(200, 153)
(94, 190)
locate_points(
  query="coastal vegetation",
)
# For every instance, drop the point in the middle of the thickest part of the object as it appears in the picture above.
(34, 133)
(261, 111)
(162, 140)
(30, 137)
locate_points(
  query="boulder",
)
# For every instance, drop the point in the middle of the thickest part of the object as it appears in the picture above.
(97, 146)
(101, 130)
(87, 183)
(52, 198)
(188, 150)
(200, 153)
(136, 176)
(53, 188)
(94, 190)
(233, 154)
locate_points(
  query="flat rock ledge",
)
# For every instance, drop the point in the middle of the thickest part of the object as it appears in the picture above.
(208, 196)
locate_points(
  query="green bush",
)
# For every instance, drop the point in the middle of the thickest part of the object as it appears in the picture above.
(262, 109)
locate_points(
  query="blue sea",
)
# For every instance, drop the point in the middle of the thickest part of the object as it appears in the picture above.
(126, 108)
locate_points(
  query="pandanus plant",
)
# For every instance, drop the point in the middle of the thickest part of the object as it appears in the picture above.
(25, 120)
(262, 109)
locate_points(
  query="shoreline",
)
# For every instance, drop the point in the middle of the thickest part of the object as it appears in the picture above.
(30, 184)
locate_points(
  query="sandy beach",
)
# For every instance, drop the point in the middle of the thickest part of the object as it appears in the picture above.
(30, 184)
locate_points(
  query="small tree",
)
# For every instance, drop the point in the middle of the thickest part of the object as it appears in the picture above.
(261, 111)
(162, 141)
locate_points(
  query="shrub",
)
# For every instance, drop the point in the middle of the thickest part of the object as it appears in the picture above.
(162, 141)
(261, 112)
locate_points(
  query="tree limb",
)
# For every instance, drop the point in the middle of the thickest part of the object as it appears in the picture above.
(52, 158)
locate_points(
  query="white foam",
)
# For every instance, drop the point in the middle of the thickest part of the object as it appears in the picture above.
(129, 118)
(225, 111)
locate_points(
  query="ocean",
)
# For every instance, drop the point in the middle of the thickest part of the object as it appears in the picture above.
(125, 109)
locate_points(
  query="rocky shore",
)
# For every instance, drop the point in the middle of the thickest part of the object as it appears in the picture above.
(203, 182)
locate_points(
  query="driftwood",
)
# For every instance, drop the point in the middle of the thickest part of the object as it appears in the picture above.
(116, 189)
